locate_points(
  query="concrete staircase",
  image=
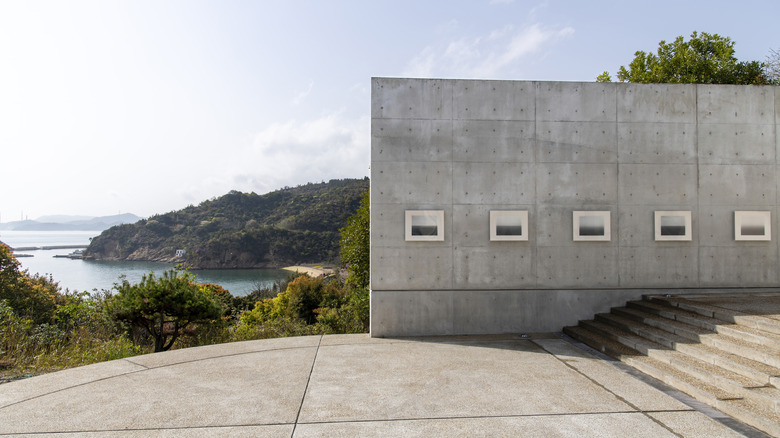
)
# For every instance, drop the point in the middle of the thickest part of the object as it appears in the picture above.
(721, 350)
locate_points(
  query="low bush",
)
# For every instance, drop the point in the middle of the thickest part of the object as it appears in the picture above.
(43, 329)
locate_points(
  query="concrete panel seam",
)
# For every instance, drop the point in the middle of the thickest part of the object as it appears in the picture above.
(698, 184)
(536, 179)
(617, 191)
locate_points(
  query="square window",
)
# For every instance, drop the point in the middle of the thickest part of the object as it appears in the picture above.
(673, 225)
(424, 225)
(591, 226)
(752, 225)
(508, 225)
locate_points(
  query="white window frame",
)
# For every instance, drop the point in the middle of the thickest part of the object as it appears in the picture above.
(438, 219)
(495, 216)
(762, 217)
(577, 217)
(659, 214)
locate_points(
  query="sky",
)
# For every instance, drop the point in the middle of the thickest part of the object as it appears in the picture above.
(146, 107)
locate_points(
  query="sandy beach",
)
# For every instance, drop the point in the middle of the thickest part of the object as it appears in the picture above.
(311, 271)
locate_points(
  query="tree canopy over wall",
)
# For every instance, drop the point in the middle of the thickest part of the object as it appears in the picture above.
(703, 59)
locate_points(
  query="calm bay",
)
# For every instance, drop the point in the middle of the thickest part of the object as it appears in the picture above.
(86, 275)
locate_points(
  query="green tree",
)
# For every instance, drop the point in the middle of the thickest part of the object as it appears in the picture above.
(604, 77)
(299, 302)
(772, 66)
(703, 59)
(9, 270)
(33, 297)
(164, 307)
(355, 244)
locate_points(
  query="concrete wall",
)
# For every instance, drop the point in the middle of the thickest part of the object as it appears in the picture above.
(467, 147)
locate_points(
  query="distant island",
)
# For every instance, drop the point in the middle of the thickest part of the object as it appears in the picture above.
(291, 226)
(70, 223)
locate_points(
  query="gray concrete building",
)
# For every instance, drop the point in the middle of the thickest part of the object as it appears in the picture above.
(519, 206)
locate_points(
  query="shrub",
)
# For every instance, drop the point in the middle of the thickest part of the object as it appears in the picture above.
(164, 308)
(30, 296)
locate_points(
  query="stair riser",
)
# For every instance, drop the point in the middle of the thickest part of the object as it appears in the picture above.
(763, 324)
(657, 354)
(750, 373)
(641, 327)
(679, 331)
(660, 354)
(720, 382)
(768, 327)
(681, 385)
(673, 315)
(771, 360)
(717, 314)
(748, 418)
(638, 331)
(596, 345)
(724, 344)
(681, 366)
(750, 337)
(694, 336)
(713, 340)
(613, 337)
(702, 375)
(703, 311)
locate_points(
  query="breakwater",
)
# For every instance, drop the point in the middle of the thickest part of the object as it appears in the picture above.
(44, 248)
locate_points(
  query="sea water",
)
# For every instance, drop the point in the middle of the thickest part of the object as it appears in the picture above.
(89, 275)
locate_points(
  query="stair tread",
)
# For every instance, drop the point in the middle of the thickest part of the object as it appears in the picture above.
(768, 351)
(773, 339)
(728, 362)
(582, 334)
(757, 409)
(714, 374)
(714, 370)
(769, 392)
(668, 336)
(769, 318)
(619, 332)
(682, 314)
(767, 303)
(675, 374)
(731, 330)
(669, 340)
(737, 359)
(680, 325)
(732, 344)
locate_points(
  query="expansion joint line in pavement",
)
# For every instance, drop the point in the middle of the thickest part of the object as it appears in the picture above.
(67, 388)
(144, 368)
(622, 399)
(138, 429)
(477, 417)
(306, 389)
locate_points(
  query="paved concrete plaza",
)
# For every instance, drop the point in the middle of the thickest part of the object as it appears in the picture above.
(354, 385)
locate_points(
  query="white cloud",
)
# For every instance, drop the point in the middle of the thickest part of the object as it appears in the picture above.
(293, 153)
(301, 95)
(538, 8)
(421, 65)
(500, 53)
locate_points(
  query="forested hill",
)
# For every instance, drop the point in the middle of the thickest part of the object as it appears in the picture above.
(242, 230)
